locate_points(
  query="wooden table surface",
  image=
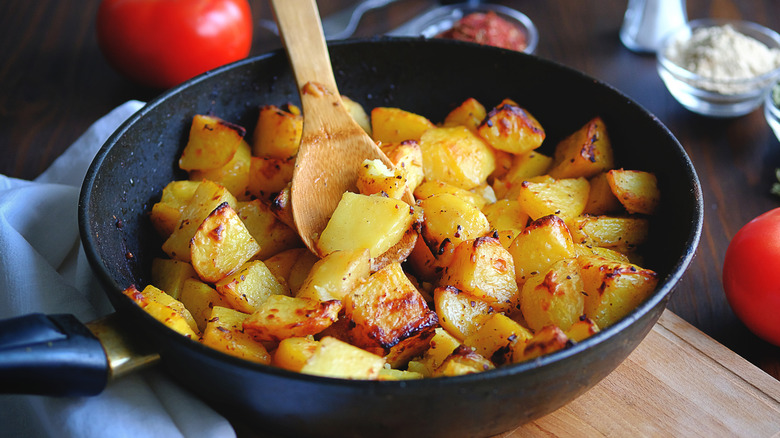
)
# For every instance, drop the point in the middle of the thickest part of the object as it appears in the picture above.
(54, 83)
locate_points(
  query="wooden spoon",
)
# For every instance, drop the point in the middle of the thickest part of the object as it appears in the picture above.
(333, 145)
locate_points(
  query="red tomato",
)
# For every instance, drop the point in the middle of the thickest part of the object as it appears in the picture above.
(162, 43)
(751, 275)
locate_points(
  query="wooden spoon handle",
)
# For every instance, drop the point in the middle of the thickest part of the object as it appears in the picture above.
(301, 31)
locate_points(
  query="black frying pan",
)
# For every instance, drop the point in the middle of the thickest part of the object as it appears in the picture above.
(429, 78)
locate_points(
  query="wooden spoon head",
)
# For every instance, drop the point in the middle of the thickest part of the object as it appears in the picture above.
(333, 147)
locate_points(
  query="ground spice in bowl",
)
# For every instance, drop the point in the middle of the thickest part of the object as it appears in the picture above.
(722, 57)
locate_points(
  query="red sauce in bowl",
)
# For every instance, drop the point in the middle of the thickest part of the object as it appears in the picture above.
(487, 28)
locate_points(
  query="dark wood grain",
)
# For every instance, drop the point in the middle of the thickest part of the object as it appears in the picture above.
(54, 83)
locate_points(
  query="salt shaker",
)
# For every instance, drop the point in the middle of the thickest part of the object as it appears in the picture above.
(646, 22)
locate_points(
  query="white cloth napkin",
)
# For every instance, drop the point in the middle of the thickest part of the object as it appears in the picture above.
(43, 269)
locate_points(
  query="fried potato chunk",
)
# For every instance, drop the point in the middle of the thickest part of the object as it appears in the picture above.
(542, 243)
(388, 316)
(584, 153)
(248, 287)
(212, 143)
(555, 297)
(336, 358)
(484, 269)
(221, 244)
(636, 190)
(360, 221)
(394, 125)
(613, 289)
(225, 332)
(165, 309)
(510, 128)
(456, 156)
(281, 317)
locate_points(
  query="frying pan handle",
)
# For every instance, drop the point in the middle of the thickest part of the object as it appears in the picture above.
(50, 355)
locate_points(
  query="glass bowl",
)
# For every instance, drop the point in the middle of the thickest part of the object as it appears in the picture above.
(442, 18)
(710, 96)
(771, 109)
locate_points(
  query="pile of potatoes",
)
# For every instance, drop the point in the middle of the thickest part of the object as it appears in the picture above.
(514, 253)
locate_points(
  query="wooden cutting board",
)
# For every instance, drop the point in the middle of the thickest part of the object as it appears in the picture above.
(678, 383)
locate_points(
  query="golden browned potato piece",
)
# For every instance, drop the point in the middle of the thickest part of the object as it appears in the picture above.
(527, 165)
(361, 221)
(613, 289)
(225, 332)
(374, 178)
(510, 128)
(169, 275)
(358, 113)
(249, 287)
(388, 316)
(166, 214)
(456, 156)
(291, 267)
(205, 199)
(470, 114)
(503, 164)
(449, 220)
(464, 360)
(507, 217)
(588, 250)
(585, 153)
(555, 297)
(281, 206)
(441, 346)
(394, 125)
(293, 353)
(277, 132)
(582, 329)
(269, 176)
(434, 187)
(273, 235)
(281, 317)
(623, 234)
(635, 189)
(179, 193)
(460, 313)
(164, 218)
(545, 341)
(336, 274)
(406, 156)
(221, 244)
(199, 298)
(234, 175)
(542, 195)
(212, 143)
(542, 243)
(484, 269)
(497, 338)
(336, 358)
(165, 309)
(430, 188)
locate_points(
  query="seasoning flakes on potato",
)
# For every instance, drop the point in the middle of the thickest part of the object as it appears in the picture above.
(519, 252)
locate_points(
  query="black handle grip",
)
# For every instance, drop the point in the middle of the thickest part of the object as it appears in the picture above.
(50, 355)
